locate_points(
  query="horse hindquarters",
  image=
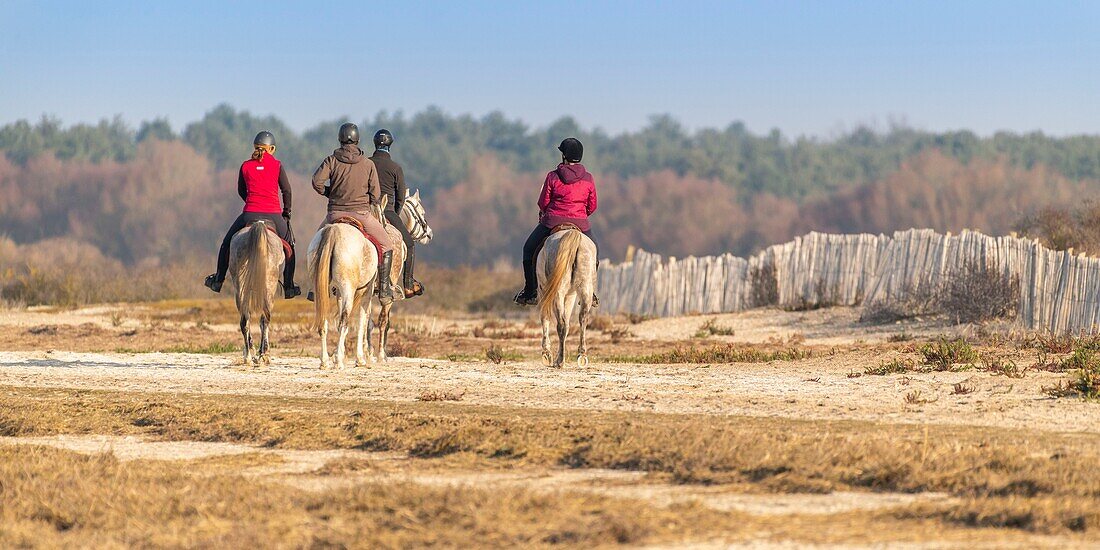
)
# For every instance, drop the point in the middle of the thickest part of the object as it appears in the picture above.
(249, 268)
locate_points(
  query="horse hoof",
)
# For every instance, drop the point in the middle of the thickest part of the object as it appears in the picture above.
(547, 360)
(582, 360)
(325, 365)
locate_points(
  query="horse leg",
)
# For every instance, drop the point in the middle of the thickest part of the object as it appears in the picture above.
(546, 357)
(363, 333)
(247, 335)
(585, 310)
(325, 362)
(265, 324)
(383, 331)
(343, 317)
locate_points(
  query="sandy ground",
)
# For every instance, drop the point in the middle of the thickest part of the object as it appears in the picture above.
(829, 385)
(818, 388)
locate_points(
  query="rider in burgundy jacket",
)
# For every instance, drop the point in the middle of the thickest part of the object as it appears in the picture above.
(568, 196)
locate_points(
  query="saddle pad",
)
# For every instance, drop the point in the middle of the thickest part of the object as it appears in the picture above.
(288, 251)
(356, 224)
(563, 227)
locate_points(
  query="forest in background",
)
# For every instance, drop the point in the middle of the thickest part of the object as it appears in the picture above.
(152, 197)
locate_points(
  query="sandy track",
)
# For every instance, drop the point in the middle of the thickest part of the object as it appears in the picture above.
(816, 388)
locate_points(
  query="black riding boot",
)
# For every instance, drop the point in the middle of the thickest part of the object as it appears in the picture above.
(413, 287)
(385, 287)
(290, 289)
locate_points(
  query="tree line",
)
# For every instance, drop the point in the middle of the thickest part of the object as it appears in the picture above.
(154, 197)
(437, 148)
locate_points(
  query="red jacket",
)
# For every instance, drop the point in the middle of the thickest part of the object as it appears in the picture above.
(568, 195)
(260, 183)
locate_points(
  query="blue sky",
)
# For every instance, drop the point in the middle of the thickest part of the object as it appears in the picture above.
(807, 68)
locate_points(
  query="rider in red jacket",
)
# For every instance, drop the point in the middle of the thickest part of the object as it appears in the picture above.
(568, 196)
(259, 183)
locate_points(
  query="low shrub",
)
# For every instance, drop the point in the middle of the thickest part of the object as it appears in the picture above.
(978, 292)
(948, 355)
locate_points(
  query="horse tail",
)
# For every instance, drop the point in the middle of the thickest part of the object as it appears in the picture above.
(321, 270)
(566, 257)
(255, 278)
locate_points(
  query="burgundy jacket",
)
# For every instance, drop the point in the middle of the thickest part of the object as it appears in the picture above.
(568, 195)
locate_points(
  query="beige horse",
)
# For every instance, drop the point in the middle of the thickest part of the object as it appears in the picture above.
(566, 268)
(343, 264)
(255, 267)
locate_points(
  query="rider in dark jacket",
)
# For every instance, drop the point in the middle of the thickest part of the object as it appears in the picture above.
(350, 181)
(260, 181)
(391, 178)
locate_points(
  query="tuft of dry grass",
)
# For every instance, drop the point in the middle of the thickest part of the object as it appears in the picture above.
(894, 366)
(961, 389)
(1002, 367)
(720, 353)
(403, 348)
(948, 355)
(712, 328)
(441, 395)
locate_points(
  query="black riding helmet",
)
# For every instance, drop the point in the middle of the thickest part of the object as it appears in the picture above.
(349, 133)
(571, 149)
(264, 138)
(383, 138)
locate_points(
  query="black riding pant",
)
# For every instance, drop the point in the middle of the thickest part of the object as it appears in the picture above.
(531, 252)
(243, 221)
(410, 257)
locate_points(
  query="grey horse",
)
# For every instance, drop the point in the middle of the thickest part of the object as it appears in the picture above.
(566, 268)
(255, 268)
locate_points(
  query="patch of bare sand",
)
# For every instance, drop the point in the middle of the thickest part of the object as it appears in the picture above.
(822, 327)
(303, 469)
(815, 388)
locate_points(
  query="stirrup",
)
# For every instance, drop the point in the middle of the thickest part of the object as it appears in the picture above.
(212, 282)
(417, 289)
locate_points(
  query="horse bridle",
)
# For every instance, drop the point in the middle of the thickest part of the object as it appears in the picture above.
(420, 225)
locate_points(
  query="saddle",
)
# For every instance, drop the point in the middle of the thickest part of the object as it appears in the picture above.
(358, 225)
(288, 251)
(564, 227)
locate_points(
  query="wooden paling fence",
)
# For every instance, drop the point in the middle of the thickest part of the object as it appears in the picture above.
(1059, 291)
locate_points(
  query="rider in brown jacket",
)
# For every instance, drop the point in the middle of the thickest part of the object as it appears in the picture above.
(350, 181)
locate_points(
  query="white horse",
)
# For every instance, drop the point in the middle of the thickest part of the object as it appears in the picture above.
(343, 264)
(255, 267)
(413, 216)
(566, 268)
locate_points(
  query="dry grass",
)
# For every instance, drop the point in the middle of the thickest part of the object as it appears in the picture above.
(721, 353)
(769, 454)
(948, 355)
(441, 395)
(712, 328)
(58, 498)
